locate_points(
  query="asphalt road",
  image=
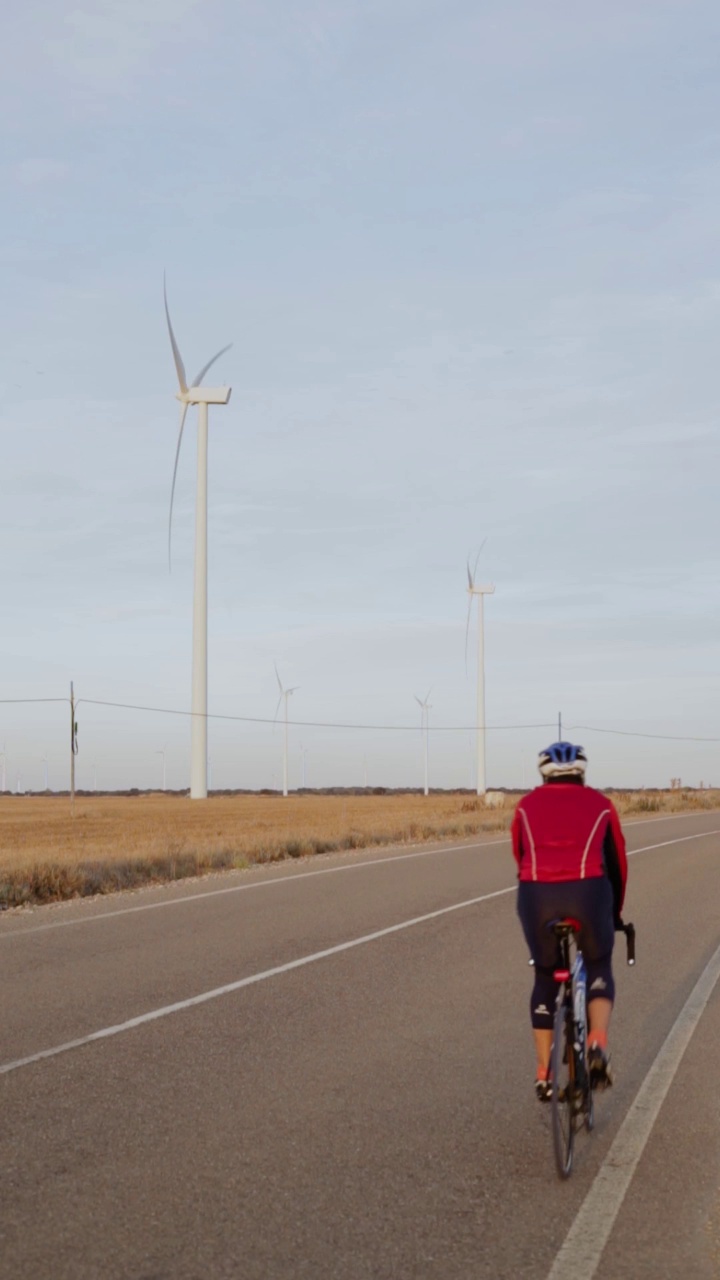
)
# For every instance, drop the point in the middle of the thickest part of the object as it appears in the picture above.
(366, 1112)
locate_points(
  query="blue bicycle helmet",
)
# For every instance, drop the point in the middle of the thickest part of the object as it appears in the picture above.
(562, 760)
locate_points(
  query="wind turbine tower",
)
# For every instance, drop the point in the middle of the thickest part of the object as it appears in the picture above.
(425, 727)
(202, 397)
(479, 590)
(284, 696)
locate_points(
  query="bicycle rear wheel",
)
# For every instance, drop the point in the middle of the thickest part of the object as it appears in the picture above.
(563, 1088)
(589, 1109)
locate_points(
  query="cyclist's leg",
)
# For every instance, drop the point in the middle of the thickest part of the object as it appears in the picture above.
(596, 940)
(599, 1014)
(536, 907)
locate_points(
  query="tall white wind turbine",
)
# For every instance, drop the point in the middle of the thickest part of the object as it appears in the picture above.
(425, 728)
(284, 696)
(480, 590)
(202, 397)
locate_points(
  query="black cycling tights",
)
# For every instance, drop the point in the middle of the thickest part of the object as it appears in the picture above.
(590, 902)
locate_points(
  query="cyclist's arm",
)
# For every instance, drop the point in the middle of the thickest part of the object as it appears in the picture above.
(516, 833)
(616, 860)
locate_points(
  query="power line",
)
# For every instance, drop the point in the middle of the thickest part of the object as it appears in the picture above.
(392, 728)
(306, 724)
(634, 733)
(15, 700)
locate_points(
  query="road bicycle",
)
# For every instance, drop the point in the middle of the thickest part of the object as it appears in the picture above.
(572, 1103)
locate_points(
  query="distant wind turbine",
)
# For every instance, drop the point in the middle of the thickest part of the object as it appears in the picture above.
(284, 696)
(425, 727)
(475, 589)
(202, 397)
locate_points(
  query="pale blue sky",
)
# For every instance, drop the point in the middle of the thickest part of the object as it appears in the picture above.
(467, 254)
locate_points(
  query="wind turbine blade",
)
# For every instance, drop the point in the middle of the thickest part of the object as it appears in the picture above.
(472, 573)
(417, 699)
(277, 676)
(183, 415)
(477, 558)
(277, 709)
(467, 631)
(294, 689)
(175, 349)
(199, 377)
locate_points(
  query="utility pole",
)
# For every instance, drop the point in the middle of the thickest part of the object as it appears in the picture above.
(73, 746)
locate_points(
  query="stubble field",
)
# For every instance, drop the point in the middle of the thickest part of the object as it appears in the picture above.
(48, 852)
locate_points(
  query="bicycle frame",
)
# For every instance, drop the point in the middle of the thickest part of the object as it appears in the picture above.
(573, 1102)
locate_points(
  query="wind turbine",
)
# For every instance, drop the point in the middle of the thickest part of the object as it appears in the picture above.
(480, 590)
(284, 695)
(202, 397)
(425, 725)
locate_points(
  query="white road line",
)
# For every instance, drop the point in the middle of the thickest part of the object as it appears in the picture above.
(303, 875)
(681, 840)
(581, 1252)
(229, 987)
(243, 888)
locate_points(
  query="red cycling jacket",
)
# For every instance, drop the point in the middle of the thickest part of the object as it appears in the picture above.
(567, 831)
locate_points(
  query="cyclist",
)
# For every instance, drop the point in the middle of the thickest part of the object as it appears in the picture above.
(570, 851)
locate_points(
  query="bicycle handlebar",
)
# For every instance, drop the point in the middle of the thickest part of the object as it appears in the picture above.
(629, 931)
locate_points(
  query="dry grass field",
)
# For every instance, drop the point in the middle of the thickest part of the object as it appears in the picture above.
(115, 842)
